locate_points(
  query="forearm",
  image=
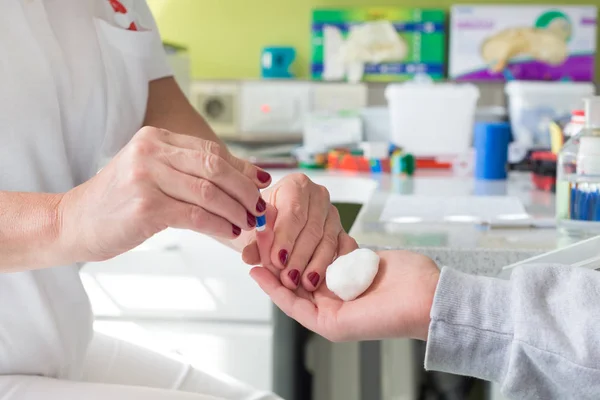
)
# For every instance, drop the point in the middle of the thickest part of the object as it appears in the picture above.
(536, 335)
(30, 232)
(168, 108)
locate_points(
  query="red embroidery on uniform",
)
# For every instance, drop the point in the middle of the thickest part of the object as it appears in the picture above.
(121, 9)
(117, 6)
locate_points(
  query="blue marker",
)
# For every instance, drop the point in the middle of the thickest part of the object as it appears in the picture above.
(261, 223)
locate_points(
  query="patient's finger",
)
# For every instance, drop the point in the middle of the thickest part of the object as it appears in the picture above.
(294, 306)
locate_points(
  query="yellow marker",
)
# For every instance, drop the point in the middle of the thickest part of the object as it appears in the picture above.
(556, 137)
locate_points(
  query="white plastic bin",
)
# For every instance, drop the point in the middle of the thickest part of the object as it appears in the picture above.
(532, 105)
(432, 120)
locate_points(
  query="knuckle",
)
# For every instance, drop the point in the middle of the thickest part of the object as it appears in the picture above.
(298, 215)
(196, 217)
(213, 164)
(314, 231)
(335, 213)
(330, 240)
(205, 189)
(141, 148)
(323, 192)
(142, 207)
(213, 147)
(302, 180)
(137, 174)
(148, 132)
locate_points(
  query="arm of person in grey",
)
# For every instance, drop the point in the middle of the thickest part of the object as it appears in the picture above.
(537, 335)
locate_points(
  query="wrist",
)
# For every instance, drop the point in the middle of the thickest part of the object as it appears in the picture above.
(45, 232)
(430, 287)
(67, 239)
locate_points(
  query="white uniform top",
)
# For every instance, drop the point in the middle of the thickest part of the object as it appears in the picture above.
(73, 89)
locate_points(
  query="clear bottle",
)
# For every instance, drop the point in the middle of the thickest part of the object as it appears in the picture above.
(578, 176)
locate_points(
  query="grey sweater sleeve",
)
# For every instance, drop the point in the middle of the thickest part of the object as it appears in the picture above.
(537, 335)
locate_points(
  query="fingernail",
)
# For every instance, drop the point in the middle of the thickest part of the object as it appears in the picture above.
(314, 278)
(294, 276)
(236, 230)
(251, 220)
(261, 206)
(283, 257)
(263, 176)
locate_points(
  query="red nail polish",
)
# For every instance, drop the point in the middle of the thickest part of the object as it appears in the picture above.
(314, 278)
(251, 220)
(263, 176)
(283, 257)
(261, 206)
(294, 276)
(236, 230)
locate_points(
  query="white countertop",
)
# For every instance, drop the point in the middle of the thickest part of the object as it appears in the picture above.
(469, 247)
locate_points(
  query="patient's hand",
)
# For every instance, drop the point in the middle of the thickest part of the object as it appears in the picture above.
(396, 305)
(304, 233)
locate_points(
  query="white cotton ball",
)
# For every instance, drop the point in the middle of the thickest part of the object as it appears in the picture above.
(351, 275)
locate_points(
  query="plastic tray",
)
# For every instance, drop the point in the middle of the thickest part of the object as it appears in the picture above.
(584, 254)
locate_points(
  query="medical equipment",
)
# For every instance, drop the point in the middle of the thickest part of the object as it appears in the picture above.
(578, 181)
(261, 223)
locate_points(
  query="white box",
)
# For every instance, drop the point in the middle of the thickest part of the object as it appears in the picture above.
(533, 105)
(432, 120)
(274, 107)
(538, 42)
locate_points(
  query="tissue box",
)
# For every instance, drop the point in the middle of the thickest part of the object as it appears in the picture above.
(527, 42)
(419, 44)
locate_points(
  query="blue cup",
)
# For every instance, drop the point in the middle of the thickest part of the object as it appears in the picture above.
(491, 150)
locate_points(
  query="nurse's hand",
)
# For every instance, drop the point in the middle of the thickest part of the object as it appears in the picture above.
(397, 305)
(161, 179)
(303, 235)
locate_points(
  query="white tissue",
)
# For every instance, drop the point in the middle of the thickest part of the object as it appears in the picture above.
(351, 275)
(374, 42)
(334, 68)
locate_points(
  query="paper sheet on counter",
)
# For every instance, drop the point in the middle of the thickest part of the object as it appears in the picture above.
(454, 209)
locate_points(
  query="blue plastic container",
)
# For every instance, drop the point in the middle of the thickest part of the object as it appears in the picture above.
(491, 147)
